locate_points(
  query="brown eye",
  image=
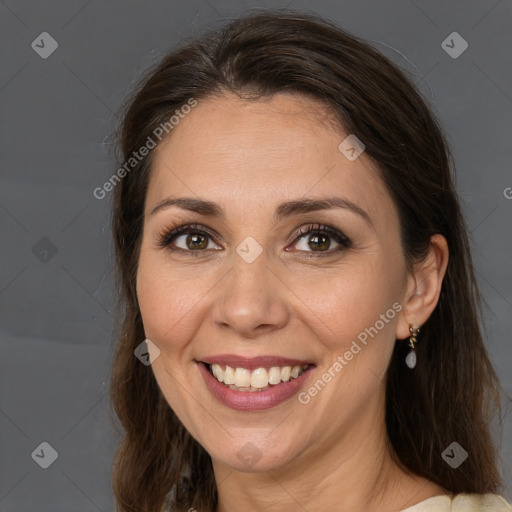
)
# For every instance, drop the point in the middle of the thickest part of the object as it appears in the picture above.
(315, 242)
(196, 241)
(319, 238)
(188, 239)
(319, 242)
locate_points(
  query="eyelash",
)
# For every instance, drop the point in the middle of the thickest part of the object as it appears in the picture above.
(166, 237)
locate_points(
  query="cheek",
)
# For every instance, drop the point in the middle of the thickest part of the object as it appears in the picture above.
(348, 300)
(168, 302)
(353, 311)
(352, 315)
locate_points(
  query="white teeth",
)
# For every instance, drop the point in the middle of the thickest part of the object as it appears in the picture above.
(217, 372)
(234, 388)
(259, 378)
(242, 379)
(229, 375)
(274, 375)
(295, 371)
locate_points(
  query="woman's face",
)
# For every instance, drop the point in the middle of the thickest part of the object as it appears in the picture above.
(252, 279)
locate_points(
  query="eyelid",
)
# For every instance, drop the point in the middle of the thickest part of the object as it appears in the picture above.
(322, 228)
(166, 235)
(344, 243)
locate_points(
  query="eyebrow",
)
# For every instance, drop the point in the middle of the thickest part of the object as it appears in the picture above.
(284, 210)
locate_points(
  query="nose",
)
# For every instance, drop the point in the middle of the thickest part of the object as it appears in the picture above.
(251, 299)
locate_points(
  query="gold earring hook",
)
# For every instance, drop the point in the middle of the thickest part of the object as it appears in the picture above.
(414, 332)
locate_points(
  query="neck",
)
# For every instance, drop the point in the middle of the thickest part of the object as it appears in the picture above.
(349, 472)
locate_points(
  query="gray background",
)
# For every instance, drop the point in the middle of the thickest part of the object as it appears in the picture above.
(57, 117)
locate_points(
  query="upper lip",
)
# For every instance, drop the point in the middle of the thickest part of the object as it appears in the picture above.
(251, 363)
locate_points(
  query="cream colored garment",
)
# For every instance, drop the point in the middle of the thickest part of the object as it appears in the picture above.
(462, 503)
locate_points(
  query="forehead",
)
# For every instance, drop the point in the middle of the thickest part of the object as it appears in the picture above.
(227, 126)
(261, 152)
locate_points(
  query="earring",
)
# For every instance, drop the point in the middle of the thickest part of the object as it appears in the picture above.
(410, 359)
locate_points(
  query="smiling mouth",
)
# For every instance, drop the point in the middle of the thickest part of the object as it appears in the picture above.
(259, 379)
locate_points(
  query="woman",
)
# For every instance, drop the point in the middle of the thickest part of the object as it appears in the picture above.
(296, 279)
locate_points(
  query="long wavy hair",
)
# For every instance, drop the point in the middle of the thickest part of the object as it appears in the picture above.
(453, 395)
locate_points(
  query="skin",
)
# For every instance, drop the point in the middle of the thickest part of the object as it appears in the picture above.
(248, 157)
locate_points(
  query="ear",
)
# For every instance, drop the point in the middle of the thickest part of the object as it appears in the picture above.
(423, 287)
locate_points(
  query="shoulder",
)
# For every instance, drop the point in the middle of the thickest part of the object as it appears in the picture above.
(462, 503)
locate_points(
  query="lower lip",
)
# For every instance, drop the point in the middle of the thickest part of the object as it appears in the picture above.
(252, 400)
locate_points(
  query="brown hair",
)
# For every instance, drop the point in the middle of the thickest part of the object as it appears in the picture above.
(452, 395)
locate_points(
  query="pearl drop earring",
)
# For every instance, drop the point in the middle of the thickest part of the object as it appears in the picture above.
(410, 359)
